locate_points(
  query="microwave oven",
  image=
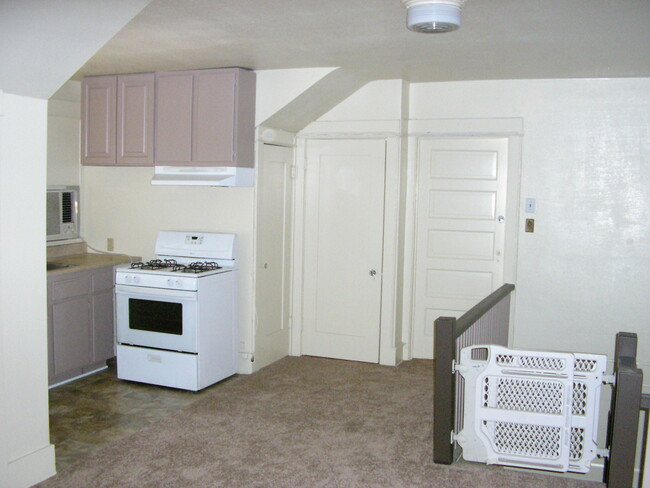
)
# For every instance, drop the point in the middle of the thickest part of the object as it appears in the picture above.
(62, 212)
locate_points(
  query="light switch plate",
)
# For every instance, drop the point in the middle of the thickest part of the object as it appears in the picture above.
(530, 205)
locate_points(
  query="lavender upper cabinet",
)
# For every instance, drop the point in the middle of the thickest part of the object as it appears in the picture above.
(135, 119)
(174, 117)
(117, 120)
(98, 110)
(205, 118)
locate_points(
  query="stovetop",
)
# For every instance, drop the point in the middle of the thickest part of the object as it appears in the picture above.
(182, 260)
(172, 265)
(168, 272)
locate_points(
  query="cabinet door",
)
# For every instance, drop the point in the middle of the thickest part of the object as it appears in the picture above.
(103, 334)
(135, 112)
(214, 116)
(98, 114)
(245, 119)
(174, 92)
(72, 340)
(102, 314)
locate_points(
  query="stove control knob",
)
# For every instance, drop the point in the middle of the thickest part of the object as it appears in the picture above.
(179, 283)
(136, 279)
(170, 282)
(127, 278)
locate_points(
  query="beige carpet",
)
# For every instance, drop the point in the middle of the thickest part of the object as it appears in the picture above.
(301, 422)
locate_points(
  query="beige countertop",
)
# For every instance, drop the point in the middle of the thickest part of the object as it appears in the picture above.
(77, 259)
(81, 262)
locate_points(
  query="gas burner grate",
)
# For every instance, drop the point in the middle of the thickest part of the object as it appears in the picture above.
(174, 266)
(155, 264)
(200, 267)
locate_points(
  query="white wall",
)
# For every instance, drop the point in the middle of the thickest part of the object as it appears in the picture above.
(583, 275)
(24, 431)
(44, 43)
(63, 135)
(378, 100)
(277, 87)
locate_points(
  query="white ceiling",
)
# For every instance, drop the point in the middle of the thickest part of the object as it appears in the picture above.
(499, 39)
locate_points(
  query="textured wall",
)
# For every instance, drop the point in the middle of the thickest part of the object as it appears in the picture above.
(583, 275)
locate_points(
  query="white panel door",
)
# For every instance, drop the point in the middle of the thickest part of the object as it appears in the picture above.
(460, 238)
(273, 254)
(344, 225)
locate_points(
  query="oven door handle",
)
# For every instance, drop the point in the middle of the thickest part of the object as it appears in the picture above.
(161, 294)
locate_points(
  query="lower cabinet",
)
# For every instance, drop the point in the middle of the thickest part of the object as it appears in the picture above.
(80, 322)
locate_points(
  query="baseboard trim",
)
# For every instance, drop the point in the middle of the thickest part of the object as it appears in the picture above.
(399, 352)
(392, 356)
(31, 468)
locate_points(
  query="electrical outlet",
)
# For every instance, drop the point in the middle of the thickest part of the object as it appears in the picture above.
(530, 225)
(110, 244)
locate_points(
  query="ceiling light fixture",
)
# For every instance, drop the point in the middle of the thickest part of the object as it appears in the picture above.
(433, 16)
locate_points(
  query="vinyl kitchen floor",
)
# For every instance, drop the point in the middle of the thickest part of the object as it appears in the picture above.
(91, 412)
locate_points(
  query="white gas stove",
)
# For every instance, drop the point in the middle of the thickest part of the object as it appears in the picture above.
(176, 314)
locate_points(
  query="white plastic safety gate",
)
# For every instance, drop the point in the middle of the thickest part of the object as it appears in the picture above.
(530, 409)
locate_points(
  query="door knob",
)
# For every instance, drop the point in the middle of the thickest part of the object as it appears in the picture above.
(373, 273)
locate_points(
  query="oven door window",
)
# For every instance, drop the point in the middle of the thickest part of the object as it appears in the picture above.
(155, 316)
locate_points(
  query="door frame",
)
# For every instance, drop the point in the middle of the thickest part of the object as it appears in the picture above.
(390, 340)
(509, 128)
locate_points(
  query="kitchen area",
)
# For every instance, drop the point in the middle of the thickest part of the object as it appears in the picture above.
(95, 194)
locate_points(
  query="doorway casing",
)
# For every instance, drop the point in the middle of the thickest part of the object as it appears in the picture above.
(390, 341)
(509, 128)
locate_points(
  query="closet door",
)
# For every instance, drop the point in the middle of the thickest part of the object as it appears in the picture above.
(343, 248)
(273, 254)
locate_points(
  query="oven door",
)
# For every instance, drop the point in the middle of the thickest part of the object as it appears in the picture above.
(158, 318)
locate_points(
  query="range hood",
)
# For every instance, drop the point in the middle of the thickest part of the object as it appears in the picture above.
(203, 176)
